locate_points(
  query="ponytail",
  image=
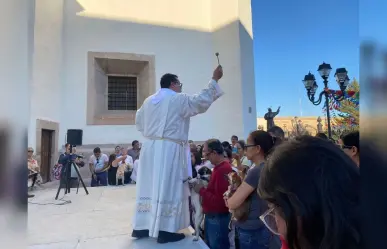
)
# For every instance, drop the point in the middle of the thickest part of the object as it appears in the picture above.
(264, 140)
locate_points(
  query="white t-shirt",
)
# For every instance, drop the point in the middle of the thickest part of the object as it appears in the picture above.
(99, 162)
(128, 161)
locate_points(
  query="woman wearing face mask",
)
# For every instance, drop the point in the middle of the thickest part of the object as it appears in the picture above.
(313, 192)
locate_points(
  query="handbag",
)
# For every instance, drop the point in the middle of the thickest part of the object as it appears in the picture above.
(57, 169)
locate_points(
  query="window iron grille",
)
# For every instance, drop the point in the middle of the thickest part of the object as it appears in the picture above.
(122, 93)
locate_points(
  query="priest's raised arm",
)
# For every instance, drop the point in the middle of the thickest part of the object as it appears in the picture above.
(199, 103)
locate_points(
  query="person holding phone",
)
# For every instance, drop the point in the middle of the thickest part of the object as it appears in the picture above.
(240, 160)
(234, 140)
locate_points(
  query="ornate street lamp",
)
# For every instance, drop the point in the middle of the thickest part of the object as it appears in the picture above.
(311, 86)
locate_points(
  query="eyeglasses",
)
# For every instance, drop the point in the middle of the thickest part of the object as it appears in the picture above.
(178, 83)
(345, 146)
(31, 151)
(268, 218)
(250, 145)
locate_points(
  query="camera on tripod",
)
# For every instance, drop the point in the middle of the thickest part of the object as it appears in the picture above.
(74, 137)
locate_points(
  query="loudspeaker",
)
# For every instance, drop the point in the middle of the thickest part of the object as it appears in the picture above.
(74, 137)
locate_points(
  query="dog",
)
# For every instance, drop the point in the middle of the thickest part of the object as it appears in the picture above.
(203, 177)
(235, 180)
(122, 168)
(243, 173)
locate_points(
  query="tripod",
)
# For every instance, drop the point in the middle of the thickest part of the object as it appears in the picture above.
(66, 176)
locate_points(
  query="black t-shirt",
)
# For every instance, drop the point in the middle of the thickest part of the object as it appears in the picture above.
(257, 206)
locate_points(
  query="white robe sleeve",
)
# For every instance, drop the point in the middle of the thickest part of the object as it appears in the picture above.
(199, 103)
(140, 119)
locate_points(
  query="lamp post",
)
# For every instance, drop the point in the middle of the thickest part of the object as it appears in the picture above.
(311, 86)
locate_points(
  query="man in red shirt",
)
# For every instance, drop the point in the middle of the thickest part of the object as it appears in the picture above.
(217, 216)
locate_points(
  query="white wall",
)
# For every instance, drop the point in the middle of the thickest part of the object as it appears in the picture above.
(46, 98)
(225, 40)
(247, 67)
(187, 53)
(15, 74)
(187, 48)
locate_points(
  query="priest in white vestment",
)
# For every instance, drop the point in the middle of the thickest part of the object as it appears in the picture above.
(162, 189)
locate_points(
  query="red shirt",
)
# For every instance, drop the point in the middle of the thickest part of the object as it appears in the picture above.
(212, 196)
(284, 244)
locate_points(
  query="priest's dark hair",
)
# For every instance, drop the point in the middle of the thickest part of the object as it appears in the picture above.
(167, 79)
(215, 145)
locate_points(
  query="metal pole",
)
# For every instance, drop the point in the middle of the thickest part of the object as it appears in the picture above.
(327, 107)
(328, 116)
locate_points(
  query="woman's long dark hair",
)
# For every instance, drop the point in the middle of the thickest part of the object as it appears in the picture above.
(198, 158)
(315, 186)
(198, 161)
(264, 140)
(112, 157)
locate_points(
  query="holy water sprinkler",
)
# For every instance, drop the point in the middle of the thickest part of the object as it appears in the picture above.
(217, 56)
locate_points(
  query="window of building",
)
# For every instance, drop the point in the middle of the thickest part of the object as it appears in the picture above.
(122, 93)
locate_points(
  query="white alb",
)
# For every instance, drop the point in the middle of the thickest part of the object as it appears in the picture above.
(161, 191)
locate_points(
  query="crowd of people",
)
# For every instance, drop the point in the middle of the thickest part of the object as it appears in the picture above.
(117, 168)
(301, 193)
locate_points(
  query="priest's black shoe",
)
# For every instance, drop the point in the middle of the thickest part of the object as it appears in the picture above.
(165, 237)
(140, 234)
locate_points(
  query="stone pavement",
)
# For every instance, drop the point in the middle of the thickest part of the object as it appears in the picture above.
(101, 219)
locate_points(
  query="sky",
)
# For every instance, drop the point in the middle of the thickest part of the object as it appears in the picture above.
(292, 38)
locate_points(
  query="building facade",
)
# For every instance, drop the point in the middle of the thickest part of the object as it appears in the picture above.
(288, 124)
(94, 63)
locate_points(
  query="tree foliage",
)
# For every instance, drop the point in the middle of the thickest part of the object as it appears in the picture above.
(347, 114)
(298, 128)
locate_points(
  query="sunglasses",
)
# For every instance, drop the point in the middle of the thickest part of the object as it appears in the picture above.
(30, 151)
